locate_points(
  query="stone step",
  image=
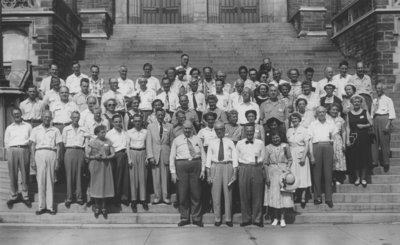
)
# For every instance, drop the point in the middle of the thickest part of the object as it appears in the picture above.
(366, 198)
(394, 169)
(304, 218)
(371, 188)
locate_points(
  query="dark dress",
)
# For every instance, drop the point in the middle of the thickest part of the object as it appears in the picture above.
(359, 153)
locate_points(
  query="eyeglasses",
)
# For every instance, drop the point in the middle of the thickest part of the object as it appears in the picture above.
(111, 105)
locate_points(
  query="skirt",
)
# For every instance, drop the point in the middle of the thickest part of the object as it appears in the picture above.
(101, 179)
(302, 173)
(274, 197)
(339, 159)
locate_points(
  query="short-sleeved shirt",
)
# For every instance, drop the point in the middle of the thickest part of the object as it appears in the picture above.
(146, 99)
(119, 140)
(223, 101)
(80, 100)
(207, 134)
(17, 134)
(45, 137)
(276, 109)
(233, 132)
(126, 87)
(137, 139)
(62, 111)
(74, 82)
(31, 109)
(152, 83)
(96, 88)
(321, 132)
(74, 137)
(45, 84)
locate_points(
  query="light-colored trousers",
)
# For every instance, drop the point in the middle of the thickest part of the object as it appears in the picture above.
(45, 163)
(161, 179)
(138, 174)
(18, 159)
(221, 174)
(382, 140)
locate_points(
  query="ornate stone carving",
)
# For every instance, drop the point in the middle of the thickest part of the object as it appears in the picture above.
(10, 4)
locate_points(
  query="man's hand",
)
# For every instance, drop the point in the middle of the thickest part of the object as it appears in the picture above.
(209, 180)
(33, 165)
(302, 162)
(152, 161)
(312, 160)
(202, 175)
(386, 130)
(268, 182)
(130, 164)
(174, 178)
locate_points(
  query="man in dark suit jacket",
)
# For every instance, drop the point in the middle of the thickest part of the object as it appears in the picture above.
(329, 99)
(158, 147)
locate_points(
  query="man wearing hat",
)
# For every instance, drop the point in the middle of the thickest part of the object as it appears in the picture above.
(221, 166)
(274, 108)
(330, 98)
(247, 105)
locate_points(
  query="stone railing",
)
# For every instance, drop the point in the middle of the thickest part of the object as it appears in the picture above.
(97, 23)
(309, 21)
(68, 16)
(351, 14)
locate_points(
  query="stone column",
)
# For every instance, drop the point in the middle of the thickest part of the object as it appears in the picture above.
(213, 11)
(273, 11)
(121, 11)
(134, 11)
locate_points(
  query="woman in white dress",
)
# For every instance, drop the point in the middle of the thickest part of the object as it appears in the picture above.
(299, 142)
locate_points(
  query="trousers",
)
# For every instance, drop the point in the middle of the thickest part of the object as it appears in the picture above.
(323, 154)
(138, 175)
(74, 162)
(18, 160)
(161, 179)
(221, 174)
(382, 140)
(121, 176)
(45, 163)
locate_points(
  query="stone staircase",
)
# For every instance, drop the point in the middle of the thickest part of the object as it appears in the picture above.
(224, 47)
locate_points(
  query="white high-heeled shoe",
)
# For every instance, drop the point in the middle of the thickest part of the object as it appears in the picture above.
(283, 223)
(275, 222)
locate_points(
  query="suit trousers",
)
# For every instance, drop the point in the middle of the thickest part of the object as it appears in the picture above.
(251, 188)
(121, 176)
(74, 162)
(221, 174)
(161, 179)
(189, 188)
(382, 140)
(45, 163)
(138, 175)
(323, 154)
(18, 159)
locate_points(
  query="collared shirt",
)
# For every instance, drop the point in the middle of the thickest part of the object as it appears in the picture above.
(296, 89)
(17, 134)
(119, 97)
(383, 105)
(206, 135)
(153, 118)
(243, 107)
(289, 102)
(321, 132)
(96, 88)
(176, 87)
(247, 153)
(45, 84)
(275, 109)
(120, 140)
(172, 103)
(313, 101)
(234, 100)
(31, 109)
(200, 100)
(137, 139)
(341, 82)
(91, 125)
(51, 97)
(146, 99)
(189, 113)
(86, 117)
(80, 100)
(126, 87)
(45, 137)
(233, 132)
(74, 137)
(230, 153)
(322, 83)
(250, 84)
(363, 85)
(62, 111)
(74, 82)
(223, 101)
(180, 150)
(152, 83)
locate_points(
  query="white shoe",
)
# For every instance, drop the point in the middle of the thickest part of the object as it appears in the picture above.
(275, 222)
(283, 223)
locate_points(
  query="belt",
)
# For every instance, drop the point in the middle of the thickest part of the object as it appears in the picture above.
(61, 124)
(323, 143)
(75, 147)
(121, 151)
(376, 114)
(33, 120)
(224, 162)
(147, 111)
(250, 164)
(137, 149)
(19, 146)
(46, 148)
(188, 159)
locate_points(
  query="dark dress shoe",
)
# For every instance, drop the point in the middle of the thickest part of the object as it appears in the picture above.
(329, 203)
(10, 203)
(39, 212)
(68, 203)
(125, 202)
(260, 224)
(175, 204)
(183, 223)
(80, 202)
(229, 223)
(303, 204)
(145, 205)
(245, 224)
(386, 168)
(104, 212)
(198, 223)
(27, 203)
(218, 223)
(317, 201)
(90, 203)
(134, 207)
(52, 212)
(96, 212)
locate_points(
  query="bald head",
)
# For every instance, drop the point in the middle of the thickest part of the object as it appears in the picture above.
(219, 128)
(329, 72)
(188, 128)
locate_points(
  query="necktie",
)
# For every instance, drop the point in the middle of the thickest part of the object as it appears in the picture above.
(161, 130)
(191, 149)
(167, 101)
(194, 102)
(221, 151)
(249, 142)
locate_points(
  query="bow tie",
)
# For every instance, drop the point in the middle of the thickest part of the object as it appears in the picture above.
(249, 142)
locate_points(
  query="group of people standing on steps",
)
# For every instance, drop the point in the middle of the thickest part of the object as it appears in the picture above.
(258, 141)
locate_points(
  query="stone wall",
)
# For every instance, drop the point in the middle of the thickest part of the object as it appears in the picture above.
(96, 4)
(330, 5)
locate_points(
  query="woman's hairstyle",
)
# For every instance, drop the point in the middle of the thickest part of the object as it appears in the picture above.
(99, 128)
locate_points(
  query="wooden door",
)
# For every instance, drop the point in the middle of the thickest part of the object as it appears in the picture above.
(161, 11)
(239, 11)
